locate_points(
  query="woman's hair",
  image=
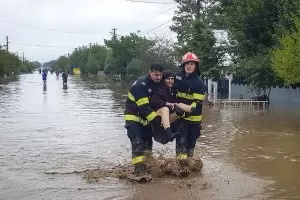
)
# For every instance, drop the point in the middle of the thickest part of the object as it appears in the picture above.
(167, 74)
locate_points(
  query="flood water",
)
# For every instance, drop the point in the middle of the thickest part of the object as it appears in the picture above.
(247, 154)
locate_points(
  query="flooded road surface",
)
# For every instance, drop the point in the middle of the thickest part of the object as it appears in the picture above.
(246, 154)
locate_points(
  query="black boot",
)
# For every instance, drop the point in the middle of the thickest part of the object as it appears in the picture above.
(159, 134)
(139, 169)
(170, 134)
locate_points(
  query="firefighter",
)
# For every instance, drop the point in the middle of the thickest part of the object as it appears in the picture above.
(190, 90)
(141, 120)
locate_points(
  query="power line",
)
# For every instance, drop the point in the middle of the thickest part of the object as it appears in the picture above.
(156, 14)
(150, 30)
(40, 45)
(153, 2)
(52, 30)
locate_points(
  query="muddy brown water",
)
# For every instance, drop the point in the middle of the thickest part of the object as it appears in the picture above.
(49, 138)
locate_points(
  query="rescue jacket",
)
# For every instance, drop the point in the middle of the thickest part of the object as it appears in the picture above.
(190, 90)
(138, 107)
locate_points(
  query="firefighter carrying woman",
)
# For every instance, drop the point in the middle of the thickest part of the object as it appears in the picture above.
(165, 106)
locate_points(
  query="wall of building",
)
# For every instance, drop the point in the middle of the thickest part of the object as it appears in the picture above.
(278, 96)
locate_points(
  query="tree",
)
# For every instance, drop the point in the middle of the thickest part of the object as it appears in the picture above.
(92, 64)
(63, 63)
(260, 78)
(286, 58)
(194, 33)
(135, 68)
(163, 52)
(99, 52)
(79, 58)
(253, 28)
(9, 63)
(125, 49)
(27, 66)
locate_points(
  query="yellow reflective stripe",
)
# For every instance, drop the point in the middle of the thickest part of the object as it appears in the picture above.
(193, 105)
(131, 97)
(194, 96)
(137, 160)
(184, 95)
(194, 118)
(182, 156)
(136, 119)
(142, 101)
(197, 96)
(151, 116)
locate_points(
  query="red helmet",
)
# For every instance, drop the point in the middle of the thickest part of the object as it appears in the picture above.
(190, 57)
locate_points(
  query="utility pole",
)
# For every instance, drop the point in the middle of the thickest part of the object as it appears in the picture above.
(198, 8)
(23, 57)
(114, 33)
(6, 44)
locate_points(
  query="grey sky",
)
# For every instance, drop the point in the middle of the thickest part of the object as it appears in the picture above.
(46, 29)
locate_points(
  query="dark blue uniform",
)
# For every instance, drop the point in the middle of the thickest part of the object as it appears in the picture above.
(189, 90)
(138, 115)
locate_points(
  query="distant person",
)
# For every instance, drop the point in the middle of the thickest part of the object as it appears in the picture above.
(44, 77)
(45, 88)
(65, 77)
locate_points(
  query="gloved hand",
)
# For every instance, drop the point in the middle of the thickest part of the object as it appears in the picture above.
(198, 104)
(193, 109)
(179, 111)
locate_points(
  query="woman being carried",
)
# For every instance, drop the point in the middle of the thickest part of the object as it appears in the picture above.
(164, 103)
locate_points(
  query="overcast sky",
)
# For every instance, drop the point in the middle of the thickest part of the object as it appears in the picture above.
(46, 29)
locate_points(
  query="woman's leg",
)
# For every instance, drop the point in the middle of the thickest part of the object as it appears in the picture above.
(185, 107)
(165, 118)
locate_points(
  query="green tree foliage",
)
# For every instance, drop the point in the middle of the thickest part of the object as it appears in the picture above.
(83, 57)
(10, 64)
(135, 68)
(195, 34)
(27, 67)
(110, 66)
(125, 49)
(286, 58)
(63, 63)
(92, 64)
(99, 52)
(163, 52)
(79, 58)
(253, 28)
(259, 77)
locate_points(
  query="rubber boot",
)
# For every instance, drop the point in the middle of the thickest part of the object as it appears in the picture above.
(170, 134)
(139, 170)
(159, 134)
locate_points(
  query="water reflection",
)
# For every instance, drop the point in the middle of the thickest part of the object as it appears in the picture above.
(268, 146)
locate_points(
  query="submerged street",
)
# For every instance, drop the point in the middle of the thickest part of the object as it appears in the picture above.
(247, 154)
